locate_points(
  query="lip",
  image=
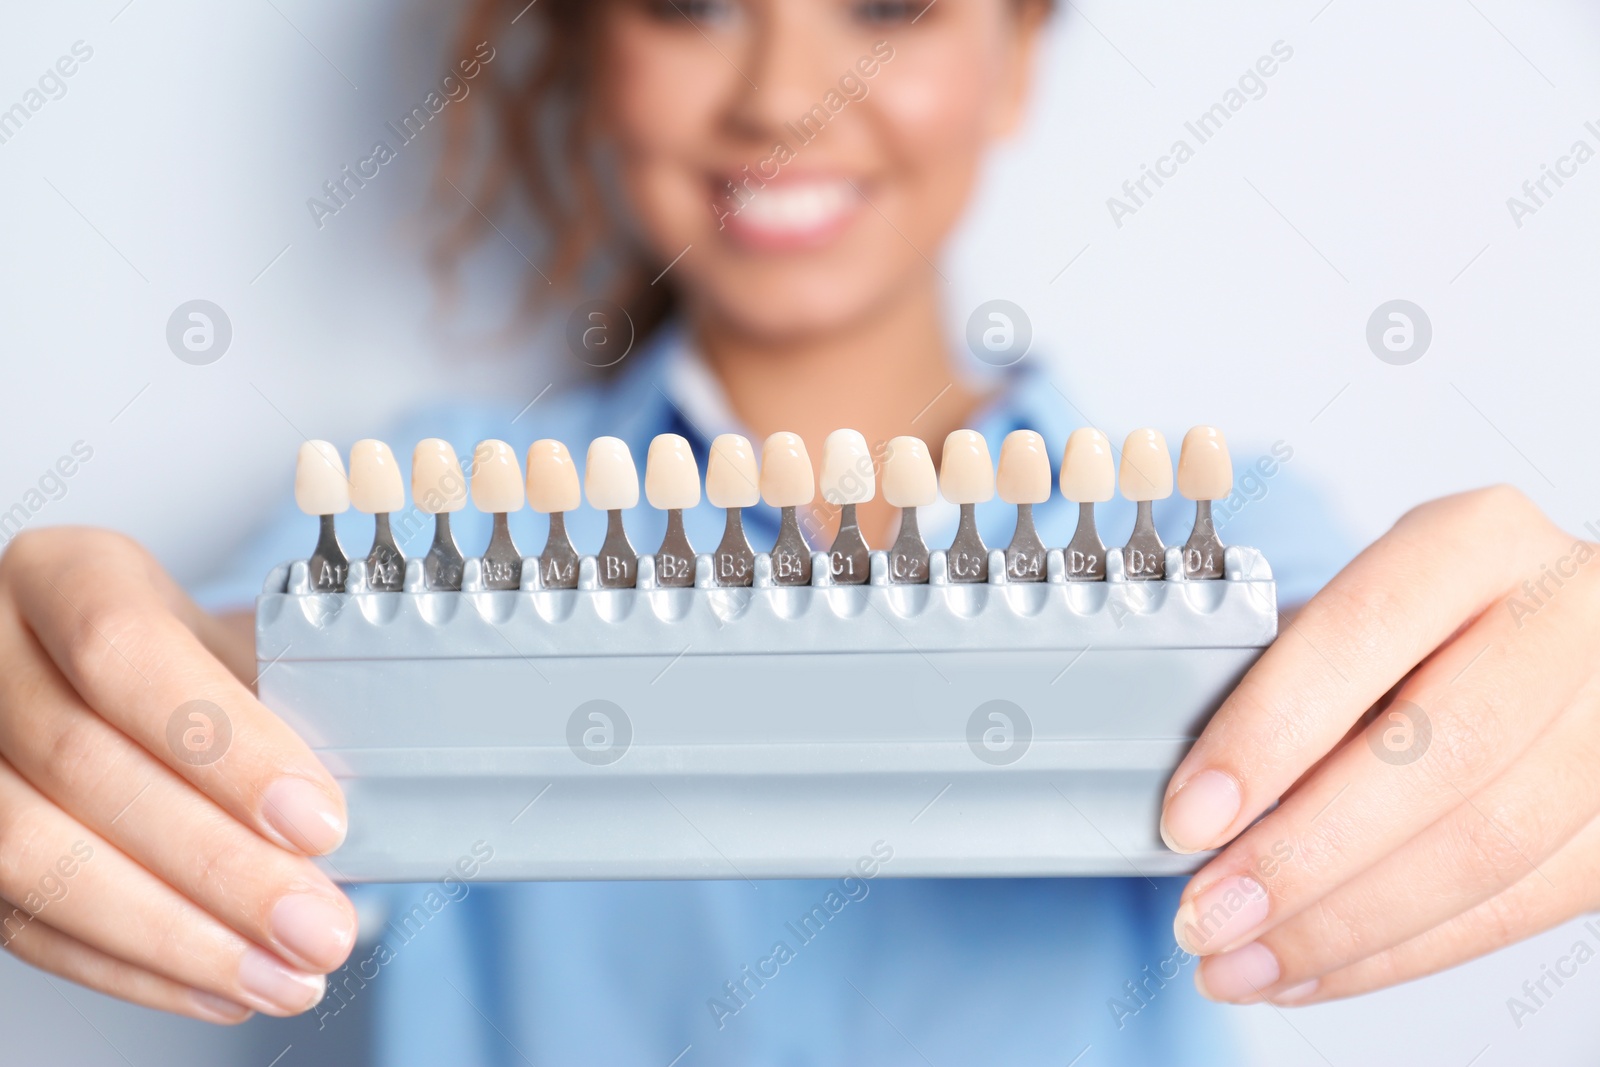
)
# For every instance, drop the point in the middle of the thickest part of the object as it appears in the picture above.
(788, 213)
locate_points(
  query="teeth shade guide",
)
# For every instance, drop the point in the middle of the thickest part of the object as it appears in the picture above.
(784, 479)
(966, 477)
(611, 482)
(672, 483)
(1180, 646)
(1205, 473)
(787, 483)
(1146, 476)
(1088, 477)
(1024, 480)
(321, 489)
(497, 488)
(438, 487)
(376, 490)
(909, 483)
(733, 484)
(553, 490)
(847, 480)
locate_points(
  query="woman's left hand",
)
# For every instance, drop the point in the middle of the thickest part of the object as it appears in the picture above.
(1458, 820)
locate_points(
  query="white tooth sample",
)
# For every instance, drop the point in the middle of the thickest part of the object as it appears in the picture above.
(966, 473)
(610, 480)
(1024, 469)
(376, 489)
(731, 477)
(909, 480)
(496, 478)
(1146, 466)
(847, 476)
(552, 478)
(320, 485)
(671, 475)
(1088, 471)
(786, 477)
(375, 484)
(439, 487)
(437, 482)
(1205, 472)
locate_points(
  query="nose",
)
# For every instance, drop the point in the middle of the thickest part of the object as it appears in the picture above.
(784, 68)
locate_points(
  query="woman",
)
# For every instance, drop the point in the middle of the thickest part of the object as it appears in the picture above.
(801, 294)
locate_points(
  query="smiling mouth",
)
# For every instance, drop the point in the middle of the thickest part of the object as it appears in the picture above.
(797, 213)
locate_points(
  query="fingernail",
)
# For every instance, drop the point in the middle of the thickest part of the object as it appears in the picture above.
(219, 1009)
(264, 978)
(314, 928)
(304, 815)
(1221, 915)
(1296, 992)
(1238, 975)
(1200, 812)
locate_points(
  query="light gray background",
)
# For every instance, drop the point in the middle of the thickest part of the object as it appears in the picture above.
(1377, 166)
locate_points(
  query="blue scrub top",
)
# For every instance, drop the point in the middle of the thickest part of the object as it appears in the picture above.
(912, 971)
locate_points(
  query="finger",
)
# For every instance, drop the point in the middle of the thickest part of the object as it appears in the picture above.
(36, 942)
(89, 769)
(60, 871)
(1382, 615)
(110, 632)
(1343, 820)
(1489, 842)
(1529, 907)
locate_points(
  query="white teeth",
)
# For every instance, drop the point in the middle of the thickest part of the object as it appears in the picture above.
(786, 478)
(1024, 469)
(320, 487)
(437, 482)
(375, 485)
(496, 478)
(1146, 466)
(1088, 472)
(671, 475)
(847, 476)
(1204, 470)
(610, 480)
(966, 474)
(552, 478)
(908, 477)
(798, 206)
(731, 477)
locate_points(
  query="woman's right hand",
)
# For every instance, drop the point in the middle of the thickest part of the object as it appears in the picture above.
(151, 847)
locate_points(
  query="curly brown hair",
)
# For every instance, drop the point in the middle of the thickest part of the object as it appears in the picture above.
(539, 132)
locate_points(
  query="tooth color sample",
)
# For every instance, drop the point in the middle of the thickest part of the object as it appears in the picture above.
(375, 483)
(496, 478)
(1024, 469)
(908, 477)
(1146, 466)
(320, 486)
(552, 478)
(731, 477)
(847, 476)
(786, 478)
(671, 475)
(966, 473)
(1088, 472)
(610, 480)
(437, 481)
(1204, 470)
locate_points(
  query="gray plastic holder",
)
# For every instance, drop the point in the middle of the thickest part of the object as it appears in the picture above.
(1001, 729)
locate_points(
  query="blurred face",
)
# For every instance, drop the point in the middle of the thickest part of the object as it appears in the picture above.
(808, 153)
